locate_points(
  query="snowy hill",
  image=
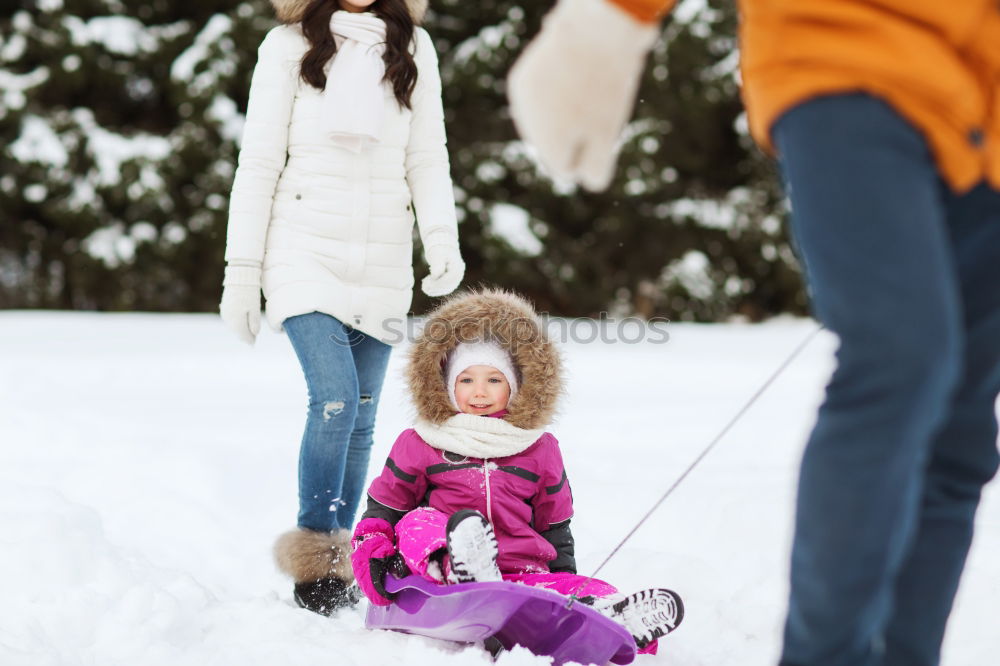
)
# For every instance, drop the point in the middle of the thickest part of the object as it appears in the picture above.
(148, 461)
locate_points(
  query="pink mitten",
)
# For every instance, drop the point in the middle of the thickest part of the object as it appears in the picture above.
(374, 546)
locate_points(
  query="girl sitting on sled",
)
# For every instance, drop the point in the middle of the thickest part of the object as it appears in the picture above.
(476, 490)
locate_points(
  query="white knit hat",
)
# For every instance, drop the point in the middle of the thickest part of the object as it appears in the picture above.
(468, 354)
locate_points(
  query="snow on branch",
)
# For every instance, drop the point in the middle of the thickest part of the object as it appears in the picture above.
(122, 35)
(201, 51)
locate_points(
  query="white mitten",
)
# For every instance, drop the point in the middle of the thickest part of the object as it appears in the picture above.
(573, 89)
(240, 306)
(446, 270)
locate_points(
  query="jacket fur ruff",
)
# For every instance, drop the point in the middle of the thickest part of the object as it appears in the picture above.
(508, 320)
(292, 11)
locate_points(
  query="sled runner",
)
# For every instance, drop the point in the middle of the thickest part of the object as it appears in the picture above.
(511, 613)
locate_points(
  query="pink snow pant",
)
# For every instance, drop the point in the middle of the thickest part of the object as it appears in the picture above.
(421, 533)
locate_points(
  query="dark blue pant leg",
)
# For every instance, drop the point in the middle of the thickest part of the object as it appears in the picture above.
(964, 455)
(869, 220)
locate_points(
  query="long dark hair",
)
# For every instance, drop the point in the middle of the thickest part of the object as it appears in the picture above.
(400, 69)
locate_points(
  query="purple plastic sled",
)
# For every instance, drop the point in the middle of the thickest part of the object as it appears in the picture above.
(514, 614)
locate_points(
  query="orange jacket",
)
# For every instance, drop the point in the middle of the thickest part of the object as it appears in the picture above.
(937, 62)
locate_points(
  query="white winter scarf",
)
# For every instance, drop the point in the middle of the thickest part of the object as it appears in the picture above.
(477, 436)
(354, 97)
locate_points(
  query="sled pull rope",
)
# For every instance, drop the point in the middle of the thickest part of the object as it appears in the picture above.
(733, 421)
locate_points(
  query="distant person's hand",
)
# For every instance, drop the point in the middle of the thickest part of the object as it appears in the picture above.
(240, 306)
(446, 270)
(573, 89)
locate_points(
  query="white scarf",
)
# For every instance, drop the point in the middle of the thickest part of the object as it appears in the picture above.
(354, 97)
(477, 436)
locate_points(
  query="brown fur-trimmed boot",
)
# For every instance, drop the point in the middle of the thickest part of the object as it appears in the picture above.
(320, 565)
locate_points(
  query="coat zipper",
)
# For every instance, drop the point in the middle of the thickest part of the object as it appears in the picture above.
(486, 478)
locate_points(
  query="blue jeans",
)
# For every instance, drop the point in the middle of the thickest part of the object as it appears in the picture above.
(907, 273)
(344, 370)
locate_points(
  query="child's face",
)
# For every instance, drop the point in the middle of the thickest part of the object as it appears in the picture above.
(356, 6)
(481, 389)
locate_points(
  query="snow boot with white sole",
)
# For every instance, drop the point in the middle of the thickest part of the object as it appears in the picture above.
(647, 614)
(472, 548)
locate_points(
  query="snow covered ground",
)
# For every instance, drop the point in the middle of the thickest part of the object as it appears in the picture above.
(148, 461)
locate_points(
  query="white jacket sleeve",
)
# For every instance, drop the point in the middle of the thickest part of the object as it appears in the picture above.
(263, 151)
(427, 170)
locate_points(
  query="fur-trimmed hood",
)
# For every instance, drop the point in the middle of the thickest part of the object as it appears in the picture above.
(508, 320)
(291, 11)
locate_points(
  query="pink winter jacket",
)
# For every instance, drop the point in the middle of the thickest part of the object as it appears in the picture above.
(522, 495)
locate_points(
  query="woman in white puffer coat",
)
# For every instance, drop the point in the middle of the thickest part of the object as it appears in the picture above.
(344, 144)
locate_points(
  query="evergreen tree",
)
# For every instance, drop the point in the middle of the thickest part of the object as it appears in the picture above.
(120, 124)
(119, 129)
